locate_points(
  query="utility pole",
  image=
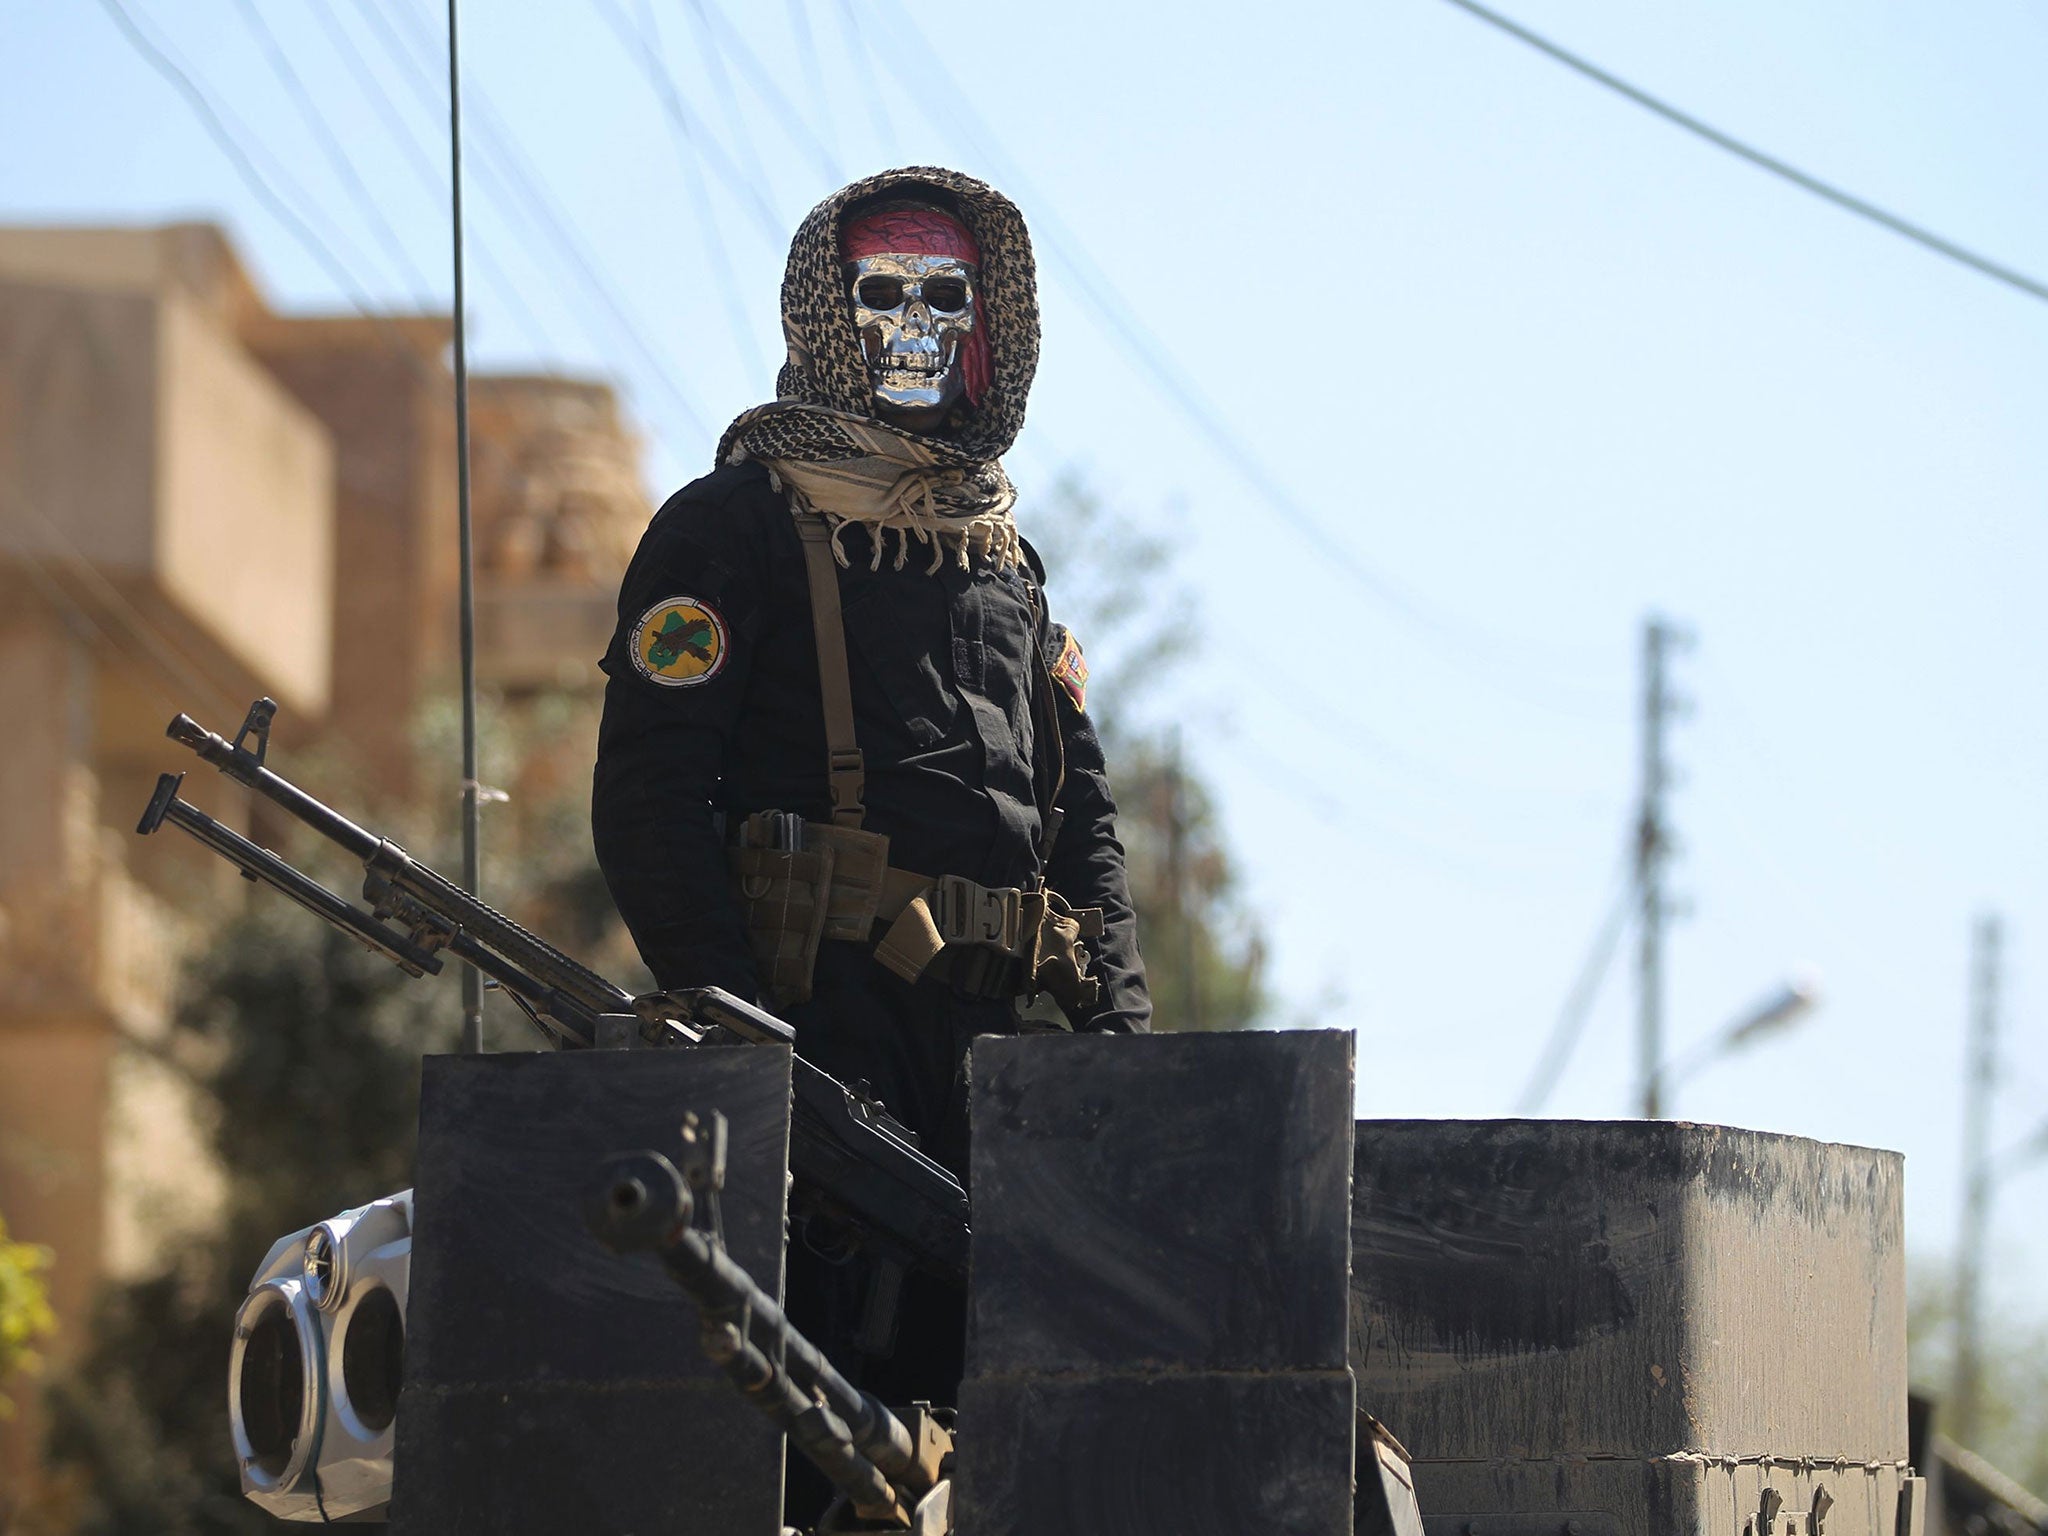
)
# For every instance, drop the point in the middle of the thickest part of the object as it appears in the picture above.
(1661, 639)
(1177, 877)
(1980, 1084)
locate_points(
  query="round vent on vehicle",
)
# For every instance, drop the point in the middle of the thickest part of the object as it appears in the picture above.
(372, 1358)
(275, 1386)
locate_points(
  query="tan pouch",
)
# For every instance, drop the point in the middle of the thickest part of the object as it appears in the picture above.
(860, 864)
(784, 898)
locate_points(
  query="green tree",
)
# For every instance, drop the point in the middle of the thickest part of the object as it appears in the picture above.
(1113, 586)
(2013, 1397)
(25, 1314)
(303, 1049)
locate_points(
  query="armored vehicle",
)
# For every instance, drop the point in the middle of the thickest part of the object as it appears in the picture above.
(1202, 1298)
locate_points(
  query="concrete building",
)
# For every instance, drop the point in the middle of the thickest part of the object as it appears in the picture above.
(202, 501)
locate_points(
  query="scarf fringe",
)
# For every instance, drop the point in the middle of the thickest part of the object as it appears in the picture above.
(852, 469)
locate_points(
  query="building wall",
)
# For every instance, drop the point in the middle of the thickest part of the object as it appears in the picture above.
(380, 390)
(559, 509)
(200, 502)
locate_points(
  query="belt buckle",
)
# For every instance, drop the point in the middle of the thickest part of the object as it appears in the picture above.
(971, 914)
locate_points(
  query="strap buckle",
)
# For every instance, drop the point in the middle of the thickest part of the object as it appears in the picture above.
(846, 774)
(966, 913)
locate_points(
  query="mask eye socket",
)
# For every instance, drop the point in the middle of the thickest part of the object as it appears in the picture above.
(879, 292)
(947, 295)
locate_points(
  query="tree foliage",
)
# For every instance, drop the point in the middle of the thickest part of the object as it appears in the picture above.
(2012, 1407)
(25, 1314)
(1113, 586)
(303, 1051)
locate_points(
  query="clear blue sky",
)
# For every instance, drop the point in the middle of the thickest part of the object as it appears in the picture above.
(1541, 359)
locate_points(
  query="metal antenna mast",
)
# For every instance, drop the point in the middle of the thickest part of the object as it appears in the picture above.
(472, 979)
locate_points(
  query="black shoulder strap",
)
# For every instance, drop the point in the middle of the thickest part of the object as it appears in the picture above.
(1049, 747)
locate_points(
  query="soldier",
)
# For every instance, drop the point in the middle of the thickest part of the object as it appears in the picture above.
(845, 767)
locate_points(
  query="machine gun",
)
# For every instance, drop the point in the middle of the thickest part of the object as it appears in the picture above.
(849, 1160)
(891, 1474)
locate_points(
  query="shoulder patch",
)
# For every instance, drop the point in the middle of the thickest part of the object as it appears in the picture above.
(1070, 671)
(679, 642)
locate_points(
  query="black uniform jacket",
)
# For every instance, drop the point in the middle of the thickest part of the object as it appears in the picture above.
(942, 675)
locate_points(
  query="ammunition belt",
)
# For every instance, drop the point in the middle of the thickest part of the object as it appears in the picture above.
(800, 882)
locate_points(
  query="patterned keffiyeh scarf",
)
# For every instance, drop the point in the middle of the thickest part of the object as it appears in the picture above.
(947, 490)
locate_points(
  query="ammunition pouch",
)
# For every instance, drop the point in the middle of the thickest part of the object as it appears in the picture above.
(837, 884)
(830, 887)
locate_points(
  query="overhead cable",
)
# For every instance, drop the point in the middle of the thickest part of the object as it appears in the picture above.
(230, 144)
(425, 170)
(685, 120)
(1578, 1005)
(792, 118)
(330, 146)
(1115, 312)
(645, 47)
(814, 73)
(721, 82)
(878, 109)
(519, 175)
(1821, 189)
(213, 119)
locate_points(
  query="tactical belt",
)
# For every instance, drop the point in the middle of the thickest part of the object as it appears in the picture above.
(801, 882)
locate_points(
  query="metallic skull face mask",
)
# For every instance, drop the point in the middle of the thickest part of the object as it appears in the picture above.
(914, 314)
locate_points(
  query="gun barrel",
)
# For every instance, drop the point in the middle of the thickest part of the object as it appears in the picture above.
(245, 767)
(638, 1201)
(845, 1161)
(259, 863)
(573, 994)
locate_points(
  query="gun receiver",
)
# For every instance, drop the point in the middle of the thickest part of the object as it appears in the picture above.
(849, 1160)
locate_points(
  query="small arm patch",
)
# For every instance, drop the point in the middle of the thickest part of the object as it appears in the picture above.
(678, 642)
(1071, 671)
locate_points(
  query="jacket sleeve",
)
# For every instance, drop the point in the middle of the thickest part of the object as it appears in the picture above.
(1087, 863)
(668, 719)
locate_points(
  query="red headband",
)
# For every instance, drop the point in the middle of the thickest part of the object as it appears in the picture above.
(908, 232)
(926, 232)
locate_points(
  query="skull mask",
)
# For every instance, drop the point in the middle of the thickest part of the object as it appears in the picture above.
(915, 314)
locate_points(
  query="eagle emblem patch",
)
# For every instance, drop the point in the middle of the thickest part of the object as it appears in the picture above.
(679, 642)
(1071, 671)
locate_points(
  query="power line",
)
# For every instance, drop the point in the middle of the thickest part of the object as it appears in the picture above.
(521, 177)
(1341, 814)
(684, 122)
(214, 120)
(425, 171)
(878, 110)
(814, 73)
(1117, 315)
(423, 164)
(331, 147)
(646, 49)
(230, 144)
(1578, 1004)
(721, 82)
(1734, 146)
(786, 111)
